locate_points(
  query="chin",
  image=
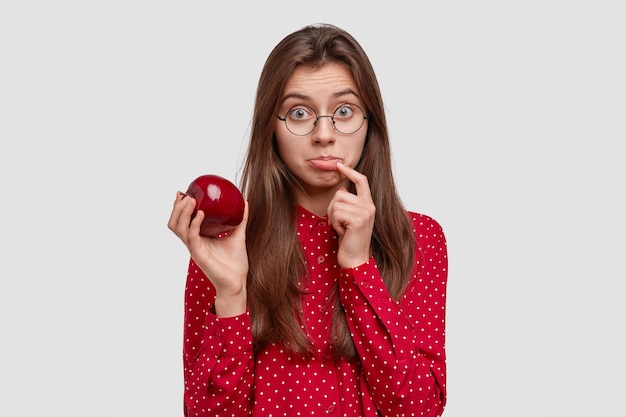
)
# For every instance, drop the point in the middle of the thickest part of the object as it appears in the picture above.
(330, 179)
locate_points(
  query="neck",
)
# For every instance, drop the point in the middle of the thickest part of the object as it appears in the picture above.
(316, 200)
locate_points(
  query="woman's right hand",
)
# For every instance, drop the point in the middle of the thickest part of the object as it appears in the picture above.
(223, 260)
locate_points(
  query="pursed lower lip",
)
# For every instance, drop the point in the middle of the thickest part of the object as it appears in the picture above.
(326, 164)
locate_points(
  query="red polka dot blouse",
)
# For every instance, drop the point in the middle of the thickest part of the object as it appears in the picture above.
(401, 369)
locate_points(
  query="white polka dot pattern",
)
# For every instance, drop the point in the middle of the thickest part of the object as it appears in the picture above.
(401, 369)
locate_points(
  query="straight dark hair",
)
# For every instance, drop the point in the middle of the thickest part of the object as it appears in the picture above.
(276, 261)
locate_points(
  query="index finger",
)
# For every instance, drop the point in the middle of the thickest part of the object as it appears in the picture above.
(360, 181)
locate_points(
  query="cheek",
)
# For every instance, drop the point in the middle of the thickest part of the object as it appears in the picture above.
(281, 146)
(286, 148)
(358, 150)
(359, 146)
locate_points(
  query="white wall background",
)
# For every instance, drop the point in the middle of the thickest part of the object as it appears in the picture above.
(507, 123)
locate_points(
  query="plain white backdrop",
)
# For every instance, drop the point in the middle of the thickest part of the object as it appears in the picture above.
(507, 124)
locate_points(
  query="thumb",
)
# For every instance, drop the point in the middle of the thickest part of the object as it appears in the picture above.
(241, 228)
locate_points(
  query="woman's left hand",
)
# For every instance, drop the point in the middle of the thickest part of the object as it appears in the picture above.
(352, 217)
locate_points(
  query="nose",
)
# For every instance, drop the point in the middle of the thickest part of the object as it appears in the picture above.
(324, 132)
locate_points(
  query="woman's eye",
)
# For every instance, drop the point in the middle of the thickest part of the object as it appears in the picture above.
(343, 111)
(299, 113)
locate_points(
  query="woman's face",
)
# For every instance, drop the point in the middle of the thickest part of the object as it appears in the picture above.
(312, 158)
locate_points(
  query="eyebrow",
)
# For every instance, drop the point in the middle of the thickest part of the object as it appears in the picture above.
(340, 93)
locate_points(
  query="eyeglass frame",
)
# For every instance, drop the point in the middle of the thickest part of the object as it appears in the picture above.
(332, 118)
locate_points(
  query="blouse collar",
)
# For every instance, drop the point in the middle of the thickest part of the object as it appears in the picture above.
(307, 221)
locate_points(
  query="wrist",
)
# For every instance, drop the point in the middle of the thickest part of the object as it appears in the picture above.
(354, 260)
(230, 303)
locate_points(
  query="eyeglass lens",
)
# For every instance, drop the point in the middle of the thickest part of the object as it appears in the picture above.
(347, 118)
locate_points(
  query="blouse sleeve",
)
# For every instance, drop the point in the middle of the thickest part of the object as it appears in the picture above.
(401, 343)
(217, 354)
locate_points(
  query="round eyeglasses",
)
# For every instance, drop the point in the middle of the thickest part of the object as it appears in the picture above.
(301, 120)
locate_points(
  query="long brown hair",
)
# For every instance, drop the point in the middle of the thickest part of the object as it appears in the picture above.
(276, 261)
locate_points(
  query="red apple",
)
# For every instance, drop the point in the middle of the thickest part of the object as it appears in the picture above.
(220, 200)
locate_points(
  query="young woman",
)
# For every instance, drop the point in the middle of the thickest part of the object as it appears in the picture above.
(329, 297)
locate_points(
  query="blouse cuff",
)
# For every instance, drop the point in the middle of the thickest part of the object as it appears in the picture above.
(362, 283)
(229, 336)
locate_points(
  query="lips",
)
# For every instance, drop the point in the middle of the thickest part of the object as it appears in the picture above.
(325, 163)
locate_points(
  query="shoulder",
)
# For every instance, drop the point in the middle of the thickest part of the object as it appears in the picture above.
(426, 228)
(429, 236)
(431, 247)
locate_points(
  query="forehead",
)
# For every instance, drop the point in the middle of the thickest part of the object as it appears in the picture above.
(329, 81)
